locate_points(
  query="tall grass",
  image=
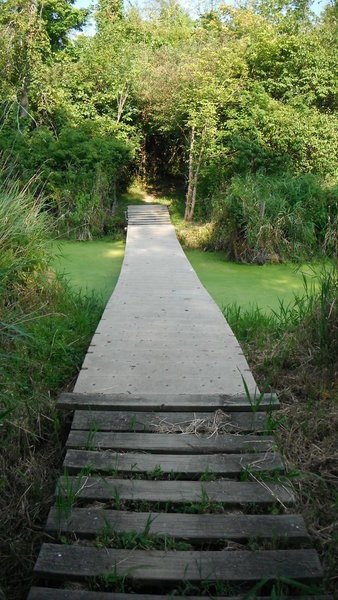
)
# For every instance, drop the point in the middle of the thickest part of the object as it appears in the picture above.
(24, 231)
(267, 218)
(295, 350)
(309, 319)
(45, 329)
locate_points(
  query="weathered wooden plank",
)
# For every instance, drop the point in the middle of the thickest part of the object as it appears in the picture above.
(149, 209)
(62, 594)
(87, 522)
(166, 422)
(155, 567)
(148, 219)
(230, 493)
(187, 464)
(183, 402)
(171, 444)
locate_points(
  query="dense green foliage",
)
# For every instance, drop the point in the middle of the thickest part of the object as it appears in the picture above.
(267, 217)
(44, 326)
(77, 172)
(238, 103)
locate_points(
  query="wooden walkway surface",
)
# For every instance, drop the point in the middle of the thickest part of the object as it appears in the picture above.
(172, 494)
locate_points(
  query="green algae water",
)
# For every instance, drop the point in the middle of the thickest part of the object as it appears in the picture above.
(249, 285)
(96, 265)
(88, 266)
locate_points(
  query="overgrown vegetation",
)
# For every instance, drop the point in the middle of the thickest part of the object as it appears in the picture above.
(267, 218)
(237, 107)
(236, 103)
(295, 349)
(45, 329)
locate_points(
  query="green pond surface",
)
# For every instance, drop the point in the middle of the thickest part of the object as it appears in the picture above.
(96, 266)
(229, 282)
(91, 265)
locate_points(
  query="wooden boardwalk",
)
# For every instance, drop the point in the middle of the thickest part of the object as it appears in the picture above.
(175, 493)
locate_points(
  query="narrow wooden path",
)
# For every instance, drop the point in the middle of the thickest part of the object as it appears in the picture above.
(164, 491)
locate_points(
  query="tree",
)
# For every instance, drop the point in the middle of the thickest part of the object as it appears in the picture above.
(107, 11)
(33, 30)
(60, 17)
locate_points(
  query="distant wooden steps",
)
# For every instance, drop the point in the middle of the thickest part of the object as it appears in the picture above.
(161, 492)
(150, 214)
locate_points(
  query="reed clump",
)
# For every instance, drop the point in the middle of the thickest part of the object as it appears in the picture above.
(261, 218)
(45, 329)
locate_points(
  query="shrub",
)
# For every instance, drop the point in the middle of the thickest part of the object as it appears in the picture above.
(78, 172)
(24, 232)
(263, 217)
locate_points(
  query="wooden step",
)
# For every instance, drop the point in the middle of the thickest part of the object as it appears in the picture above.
(135, 421)
(155, 567)
(204, 528)
(42, 593)
(149, 221)
(188, 465)
(170, 444)
(147, 208)
(179, 403)
(229, 493)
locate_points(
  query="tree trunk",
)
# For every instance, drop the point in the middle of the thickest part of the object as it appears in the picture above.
(189, 211)
(32, 16)
(189, 196)
(24, 99)
(143, 162)
(194, 192)
(121, 100)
